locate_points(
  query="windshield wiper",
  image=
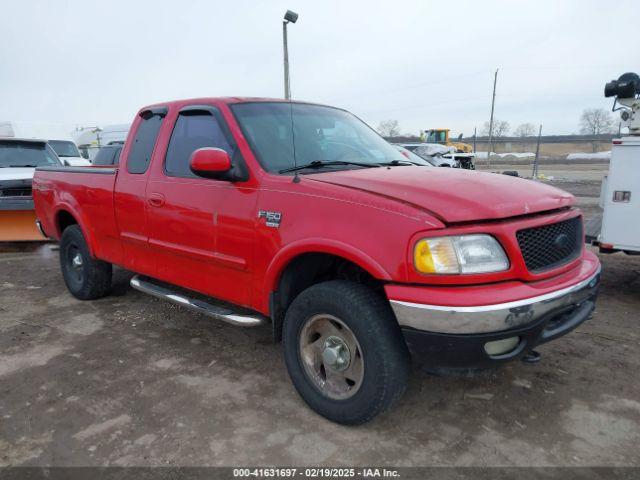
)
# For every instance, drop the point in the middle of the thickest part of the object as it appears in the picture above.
(398, 163)
(20, 166)
(322, 163)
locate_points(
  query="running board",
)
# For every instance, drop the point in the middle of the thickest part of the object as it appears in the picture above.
(220, 313)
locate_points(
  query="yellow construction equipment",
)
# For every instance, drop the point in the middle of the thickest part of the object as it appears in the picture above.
(441, 136)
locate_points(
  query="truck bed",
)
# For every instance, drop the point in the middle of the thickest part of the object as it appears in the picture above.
(64, 194)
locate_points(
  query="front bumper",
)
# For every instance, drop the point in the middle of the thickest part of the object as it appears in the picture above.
(456, 337)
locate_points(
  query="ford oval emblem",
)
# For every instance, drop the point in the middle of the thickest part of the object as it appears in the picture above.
(561, 241)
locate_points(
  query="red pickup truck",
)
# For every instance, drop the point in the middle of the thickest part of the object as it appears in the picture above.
(299, 215)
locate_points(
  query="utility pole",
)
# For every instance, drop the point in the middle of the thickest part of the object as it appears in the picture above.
(493, 103)
(288, 17)
(535, 161)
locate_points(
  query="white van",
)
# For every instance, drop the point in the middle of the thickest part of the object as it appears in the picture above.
(56, 136)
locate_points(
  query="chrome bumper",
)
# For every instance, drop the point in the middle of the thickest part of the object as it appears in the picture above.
(491, 318)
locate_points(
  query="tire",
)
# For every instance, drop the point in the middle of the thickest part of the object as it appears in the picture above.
(379, 369)
(86, 277)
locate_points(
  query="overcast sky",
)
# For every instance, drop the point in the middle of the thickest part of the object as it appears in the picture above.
(423, 63)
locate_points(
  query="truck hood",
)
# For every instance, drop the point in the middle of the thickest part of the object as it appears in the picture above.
(16, 173)
(453, 195)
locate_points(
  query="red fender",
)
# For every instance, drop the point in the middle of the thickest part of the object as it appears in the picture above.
(316, 245)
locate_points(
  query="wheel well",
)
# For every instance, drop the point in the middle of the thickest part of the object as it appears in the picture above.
(307, 270)
(65, 219)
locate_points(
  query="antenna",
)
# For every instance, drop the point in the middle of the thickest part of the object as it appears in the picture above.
(296, 177)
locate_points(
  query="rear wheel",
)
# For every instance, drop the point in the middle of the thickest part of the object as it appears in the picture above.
(344, 351)
(86, 278)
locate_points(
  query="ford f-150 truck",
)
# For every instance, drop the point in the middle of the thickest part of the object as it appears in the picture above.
(299, 215)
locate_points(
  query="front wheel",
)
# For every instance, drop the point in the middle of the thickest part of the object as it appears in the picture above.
(86, 278)
(344, 351)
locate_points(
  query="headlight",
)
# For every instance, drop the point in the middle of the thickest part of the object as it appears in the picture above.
(460, 254)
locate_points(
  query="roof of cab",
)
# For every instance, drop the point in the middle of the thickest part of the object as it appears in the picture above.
(227, 100)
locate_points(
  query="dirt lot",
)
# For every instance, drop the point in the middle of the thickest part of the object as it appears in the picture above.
(130, 380)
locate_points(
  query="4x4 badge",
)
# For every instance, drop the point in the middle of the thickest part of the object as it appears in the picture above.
(273, 218)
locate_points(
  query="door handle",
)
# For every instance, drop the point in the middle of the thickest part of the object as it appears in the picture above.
(156, 200)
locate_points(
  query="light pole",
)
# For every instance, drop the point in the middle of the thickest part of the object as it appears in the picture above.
(288, 17)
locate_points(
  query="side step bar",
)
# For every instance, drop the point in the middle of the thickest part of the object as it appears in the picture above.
(148, 286)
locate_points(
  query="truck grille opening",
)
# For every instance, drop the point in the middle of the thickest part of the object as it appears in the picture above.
(552, 245)
(15, 192)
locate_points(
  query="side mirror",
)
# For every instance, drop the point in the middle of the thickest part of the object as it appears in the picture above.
(210, 162)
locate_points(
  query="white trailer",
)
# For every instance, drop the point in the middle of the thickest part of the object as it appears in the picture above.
(620, 193)
(620, 198)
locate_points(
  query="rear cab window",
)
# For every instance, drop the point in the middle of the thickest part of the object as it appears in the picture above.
(145, 140)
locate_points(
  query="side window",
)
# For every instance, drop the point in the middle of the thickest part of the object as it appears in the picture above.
(193, 130)
(143, 143)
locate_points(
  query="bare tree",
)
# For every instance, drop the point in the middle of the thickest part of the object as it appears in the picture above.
(389, 128)
(595, 121)
(525, 130)
(500, 128)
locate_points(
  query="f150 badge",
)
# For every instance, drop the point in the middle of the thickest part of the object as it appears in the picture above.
(272, 218)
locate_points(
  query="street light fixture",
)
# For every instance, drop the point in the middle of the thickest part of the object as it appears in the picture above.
(289, 17)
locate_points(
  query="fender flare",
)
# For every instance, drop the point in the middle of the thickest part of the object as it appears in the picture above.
(320, 245)
(81, 221)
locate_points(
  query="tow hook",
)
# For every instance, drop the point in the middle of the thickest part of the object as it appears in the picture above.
(531, 357)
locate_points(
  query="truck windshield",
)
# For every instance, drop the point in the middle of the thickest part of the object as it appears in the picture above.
(26, 154)
(64, 148)
(277, 131)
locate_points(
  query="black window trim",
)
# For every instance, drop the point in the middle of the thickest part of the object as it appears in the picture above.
(226, 131)
(146, 115)
(150, 112)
